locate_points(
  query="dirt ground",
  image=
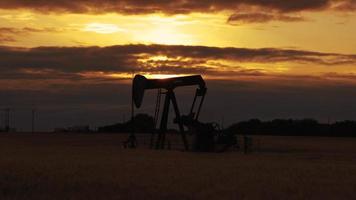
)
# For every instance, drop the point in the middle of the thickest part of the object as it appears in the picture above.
(74, 166)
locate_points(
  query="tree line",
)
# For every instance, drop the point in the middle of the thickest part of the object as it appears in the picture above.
(294, 127)
(143, 123)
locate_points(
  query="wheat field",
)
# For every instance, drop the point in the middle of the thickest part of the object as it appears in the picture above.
(75, 166)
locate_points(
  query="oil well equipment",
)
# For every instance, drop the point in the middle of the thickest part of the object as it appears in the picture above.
(206, 136)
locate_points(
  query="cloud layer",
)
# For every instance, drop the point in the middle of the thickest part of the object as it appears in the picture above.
(170, 7)
(143, 58)
(261, 17)
(9, 34)
(241, 11)
(57, 68)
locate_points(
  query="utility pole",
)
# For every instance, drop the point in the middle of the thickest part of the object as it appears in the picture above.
(222, 123)
(3, 121)
(123, 118)
(33, 120)
(7, 119)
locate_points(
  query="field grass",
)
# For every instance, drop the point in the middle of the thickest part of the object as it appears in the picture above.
(60, 166)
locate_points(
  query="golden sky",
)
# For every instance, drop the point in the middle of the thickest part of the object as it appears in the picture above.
(316, 27)
(321, 31)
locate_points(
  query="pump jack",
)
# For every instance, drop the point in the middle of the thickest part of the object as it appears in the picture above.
(140, 84)
(207, 137)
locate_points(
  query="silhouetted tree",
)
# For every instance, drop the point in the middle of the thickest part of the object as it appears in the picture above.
(305, 127)
(142, 123)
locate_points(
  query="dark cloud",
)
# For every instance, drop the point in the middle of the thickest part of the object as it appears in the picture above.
(169, 7)
(255, 11)
(129, 58)
(260, 17)
(60, 68)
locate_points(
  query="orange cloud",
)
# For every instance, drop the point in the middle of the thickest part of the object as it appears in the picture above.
(8, 34)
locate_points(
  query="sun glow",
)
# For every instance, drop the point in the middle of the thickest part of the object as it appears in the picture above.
(102, 28)
(166, 36)
(163, 76)
(130, 76)
(169, 30)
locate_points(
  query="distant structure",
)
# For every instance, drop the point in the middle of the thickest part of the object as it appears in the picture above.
(6, 120)
(33, 114)
(73, 129)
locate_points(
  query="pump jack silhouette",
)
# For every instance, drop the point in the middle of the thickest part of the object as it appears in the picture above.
(140, 84)
(204, 133)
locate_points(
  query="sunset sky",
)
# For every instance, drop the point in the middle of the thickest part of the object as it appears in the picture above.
(73, 60)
